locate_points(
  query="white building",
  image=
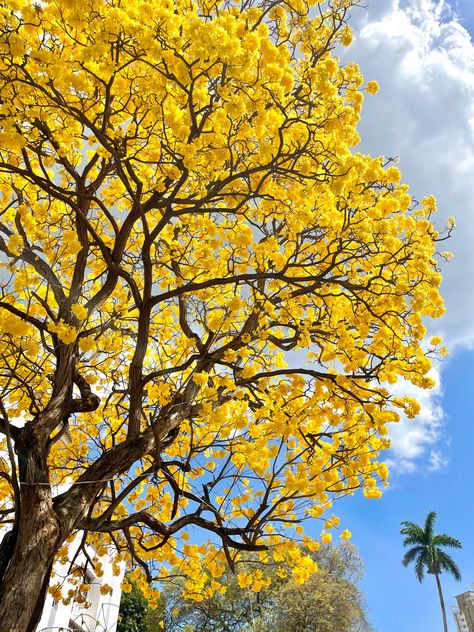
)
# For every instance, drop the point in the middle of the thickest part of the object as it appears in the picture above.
(101, 615)
(464, 612)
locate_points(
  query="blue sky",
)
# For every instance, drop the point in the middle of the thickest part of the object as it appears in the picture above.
(397, 601)
(465, 8)
(422, 54)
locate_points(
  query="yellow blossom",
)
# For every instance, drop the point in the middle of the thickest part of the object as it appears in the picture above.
(205, 277)
(372, 87)
(66, 333)
(80, 311)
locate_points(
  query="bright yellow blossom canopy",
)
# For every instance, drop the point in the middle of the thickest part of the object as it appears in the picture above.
(206, 290)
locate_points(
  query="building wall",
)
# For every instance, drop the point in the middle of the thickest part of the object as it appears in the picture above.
(460, 620)
(100, 616)
(464, 613)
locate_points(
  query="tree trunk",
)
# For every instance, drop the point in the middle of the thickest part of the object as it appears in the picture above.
(441, 600)
(27, 554)
(24, 585)
(34, 541)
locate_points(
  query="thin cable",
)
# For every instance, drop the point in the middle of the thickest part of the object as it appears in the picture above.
(105, 480)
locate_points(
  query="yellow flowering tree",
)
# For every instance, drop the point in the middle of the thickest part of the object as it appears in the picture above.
(329, 601)
(205, 290)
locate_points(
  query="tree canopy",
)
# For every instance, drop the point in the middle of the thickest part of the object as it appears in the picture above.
(135, 614)
(206, 292)
(426, 550)
(329, 601)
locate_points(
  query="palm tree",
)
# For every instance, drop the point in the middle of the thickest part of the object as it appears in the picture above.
(427, 553)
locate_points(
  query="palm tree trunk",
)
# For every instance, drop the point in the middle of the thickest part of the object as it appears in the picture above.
(441, 600)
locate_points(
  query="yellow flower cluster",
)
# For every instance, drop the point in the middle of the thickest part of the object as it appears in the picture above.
(186, 212)
(66, 333)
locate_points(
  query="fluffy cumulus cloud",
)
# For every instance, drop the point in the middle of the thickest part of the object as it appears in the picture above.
(423, 59)
(421, 441)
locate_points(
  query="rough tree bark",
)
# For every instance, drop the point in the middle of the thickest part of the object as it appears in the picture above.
(25, 583)
(35, 538)
(39, 529)
(45, 522)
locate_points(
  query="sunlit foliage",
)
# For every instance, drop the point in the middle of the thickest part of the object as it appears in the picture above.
(206, 291)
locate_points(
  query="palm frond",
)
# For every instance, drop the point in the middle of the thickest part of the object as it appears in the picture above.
(442, 539)
(414, 539)
(413, 532)
(411, 554)
(420, 567)
(447, 564)
(429, 524)
(426, 548)
(409, 526)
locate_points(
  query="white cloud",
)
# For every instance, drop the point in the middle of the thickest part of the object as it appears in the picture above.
(437, 461)
(423, 60)
(413, 438)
